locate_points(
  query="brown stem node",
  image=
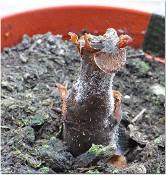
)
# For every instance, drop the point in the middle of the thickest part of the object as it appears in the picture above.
(87, 43)
(117, 105)
(74, 38)
(124, 40)
(63, 94)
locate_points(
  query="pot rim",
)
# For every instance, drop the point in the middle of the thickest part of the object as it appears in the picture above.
(115, 17)
(9, 7)
(134, 22)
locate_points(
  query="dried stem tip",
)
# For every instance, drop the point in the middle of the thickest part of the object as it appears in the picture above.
(108, 50)
(124, 40)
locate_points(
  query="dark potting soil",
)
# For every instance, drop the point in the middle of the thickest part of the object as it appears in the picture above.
(31, 109)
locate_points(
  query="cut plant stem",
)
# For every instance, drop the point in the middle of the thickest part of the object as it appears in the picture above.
(91, 110)
(139, 115)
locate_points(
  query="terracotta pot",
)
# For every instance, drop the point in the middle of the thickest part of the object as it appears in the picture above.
(61, 20)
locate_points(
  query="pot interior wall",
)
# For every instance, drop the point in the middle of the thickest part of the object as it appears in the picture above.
(61, 20)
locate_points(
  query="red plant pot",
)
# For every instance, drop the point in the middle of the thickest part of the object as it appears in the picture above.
(61, 20)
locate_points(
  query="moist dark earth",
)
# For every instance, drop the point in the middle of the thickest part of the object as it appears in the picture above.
(31, 120)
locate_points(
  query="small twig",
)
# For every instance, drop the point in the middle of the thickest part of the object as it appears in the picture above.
(86, 168)
(139, 115)
(136, 55)
(5, 127)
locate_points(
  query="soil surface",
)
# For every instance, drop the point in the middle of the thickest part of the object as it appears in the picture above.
(31, 124)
